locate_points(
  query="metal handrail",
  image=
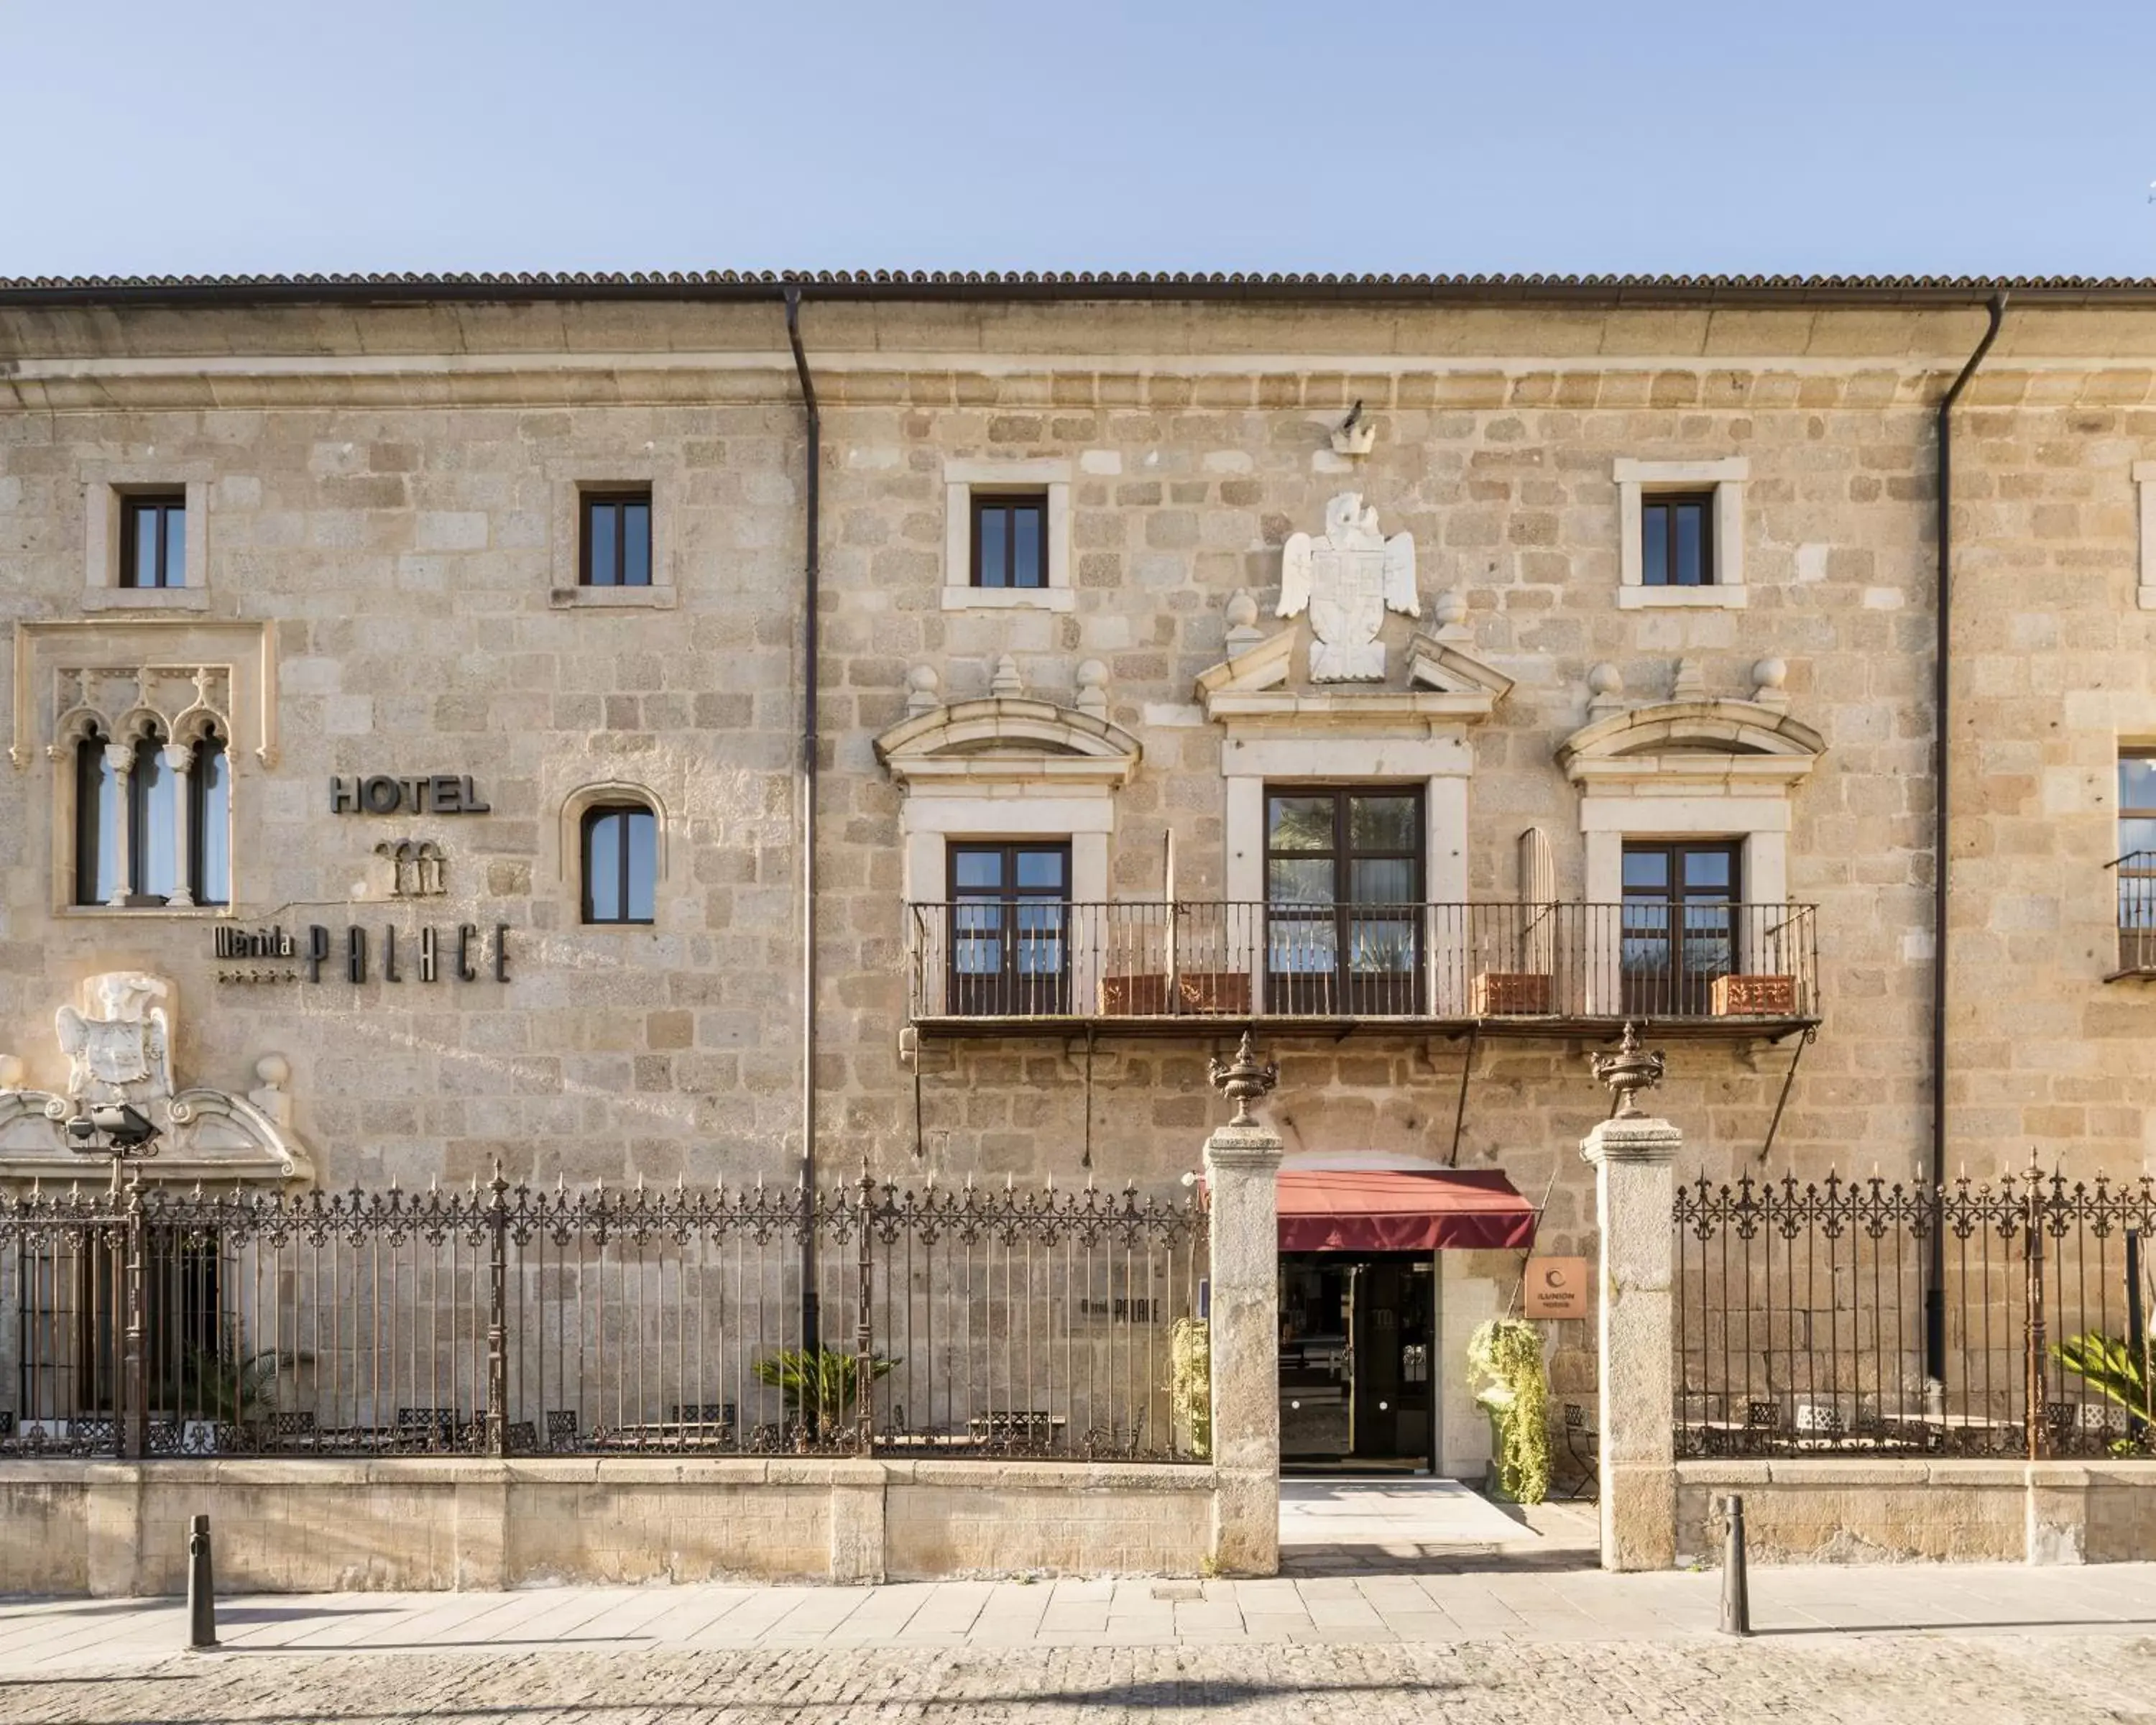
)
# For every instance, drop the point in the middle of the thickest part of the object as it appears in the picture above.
(1019, 957)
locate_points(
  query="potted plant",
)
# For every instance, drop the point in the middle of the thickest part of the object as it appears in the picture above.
(817, 1387)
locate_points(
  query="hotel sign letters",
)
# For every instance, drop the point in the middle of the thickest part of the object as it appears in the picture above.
(425, 955)
(380, 794)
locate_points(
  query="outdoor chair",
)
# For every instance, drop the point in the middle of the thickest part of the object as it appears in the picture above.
(560, 1429)
(291, 1430)
(1584, 1444)
(426, 1428)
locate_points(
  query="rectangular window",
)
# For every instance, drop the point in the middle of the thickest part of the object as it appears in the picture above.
(616, 535)
(1010, 539)
(1343, 900)
(1677, 539)
(1010, 920)
(2137, 859)
(1679, 922)
(153, 541)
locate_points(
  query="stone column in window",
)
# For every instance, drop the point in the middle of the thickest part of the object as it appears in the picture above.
(120, 757)
(180, 763)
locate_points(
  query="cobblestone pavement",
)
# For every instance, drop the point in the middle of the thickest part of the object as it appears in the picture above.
(1889, 1678)
(1841, 1644)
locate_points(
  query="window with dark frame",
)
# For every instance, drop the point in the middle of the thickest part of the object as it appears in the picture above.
(620, 849)
(1010, 539)
(153, 540)
(1679, 925)
(615, 539)
(1344, 899)
(1677, 539)
(2137, 858)
(1010, 915)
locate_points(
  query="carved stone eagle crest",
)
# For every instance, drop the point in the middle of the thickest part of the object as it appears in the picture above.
(1348, 581)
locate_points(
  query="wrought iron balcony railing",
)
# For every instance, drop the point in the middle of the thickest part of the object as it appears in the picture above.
(997, 959)
(2137, 914)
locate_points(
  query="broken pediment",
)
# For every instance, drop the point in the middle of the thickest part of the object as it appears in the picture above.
(1436, 663)
(1444, 685)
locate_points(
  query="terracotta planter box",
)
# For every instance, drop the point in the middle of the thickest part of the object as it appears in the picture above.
(1215, 990)
(1134, 997)
(1224, 992)
(1510, 993)
(1750, 997)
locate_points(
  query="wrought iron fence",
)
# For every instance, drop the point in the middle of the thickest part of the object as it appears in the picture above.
(990, 959)
(503, 1320)
(1801, 1325)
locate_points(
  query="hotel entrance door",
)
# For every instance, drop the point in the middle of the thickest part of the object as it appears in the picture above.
(1355, 1360)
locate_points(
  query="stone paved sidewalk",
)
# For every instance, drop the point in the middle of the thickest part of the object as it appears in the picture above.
(2116, 1601)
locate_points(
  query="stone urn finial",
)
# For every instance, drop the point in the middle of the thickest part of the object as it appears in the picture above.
(1243, 1079)
(1628, 1071)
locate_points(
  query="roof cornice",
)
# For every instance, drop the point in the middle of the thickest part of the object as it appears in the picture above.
(1025, 285)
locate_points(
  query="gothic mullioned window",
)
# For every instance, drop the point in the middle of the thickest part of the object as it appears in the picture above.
(152, 819)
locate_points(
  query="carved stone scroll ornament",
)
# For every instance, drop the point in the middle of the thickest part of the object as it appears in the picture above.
(118, 1042)
(1347, 580)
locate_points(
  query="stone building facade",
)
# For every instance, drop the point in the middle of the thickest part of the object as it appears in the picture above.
(384, 492)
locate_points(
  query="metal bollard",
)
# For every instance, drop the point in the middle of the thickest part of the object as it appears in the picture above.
(202, 1592)
(1736, 1600)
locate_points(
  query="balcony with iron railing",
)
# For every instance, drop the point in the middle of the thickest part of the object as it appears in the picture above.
(2136, 873)
(988, 963)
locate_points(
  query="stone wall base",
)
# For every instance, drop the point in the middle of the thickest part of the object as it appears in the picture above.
(1857, 1511)
(115, 1529)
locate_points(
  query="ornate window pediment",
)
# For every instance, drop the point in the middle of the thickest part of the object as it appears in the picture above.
(1696, 740)
(1444, 683)
(1009, 736)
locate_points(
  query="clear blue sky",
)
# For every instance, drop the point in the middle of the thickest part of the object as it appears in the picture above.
(1852, 135)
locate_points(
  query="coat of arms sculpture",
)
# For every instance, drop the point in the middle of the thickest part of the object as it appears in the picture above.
(1348, 581)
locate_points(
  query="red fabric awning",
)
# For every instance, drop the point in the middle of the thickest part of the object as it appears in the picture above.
(1388, 1210)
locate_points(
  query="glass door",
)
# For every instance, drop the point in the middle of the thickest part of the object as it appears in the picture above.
(1343, 901)
(1679, 922)
(1010, 920)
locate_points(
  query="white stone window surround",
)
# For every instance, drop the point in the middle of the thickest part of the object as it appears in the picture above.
(2144, 481)
(572, 479)
(1047, 772)
(1676, 785)
(569, 852)
(105, 486)
(1725, 478)
(961, 480)
(1439, 761)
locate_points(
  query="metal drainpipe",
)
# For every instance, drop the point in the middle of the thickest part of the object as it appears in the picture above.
(1935, 1308)
(811, 1337)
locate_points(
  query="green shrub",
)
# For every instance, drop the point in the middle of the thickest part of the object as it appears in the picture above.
(1190, 1383)
(819, 1387)
(1508, 1351)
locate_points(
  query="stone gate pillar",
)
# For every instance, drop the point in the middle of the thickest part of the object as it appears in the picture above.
(1242, 1168)
(1635, 1190)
